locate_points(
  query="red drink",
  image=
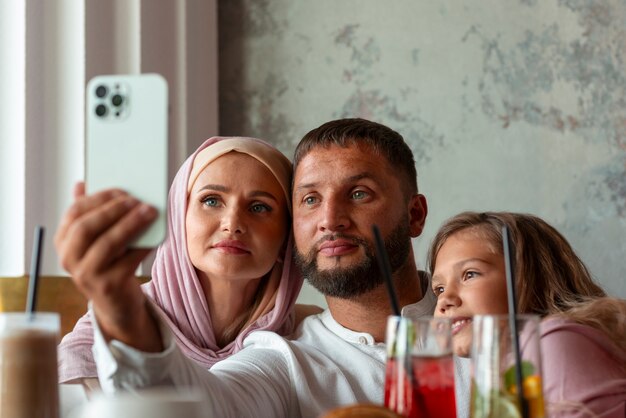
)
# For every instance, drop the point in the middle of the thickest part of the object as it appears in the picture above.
(398, 388)
(427, 392)
(435, 386)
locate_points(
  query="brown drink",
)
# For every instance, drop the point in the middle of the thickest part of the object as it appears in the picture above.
(28, 366)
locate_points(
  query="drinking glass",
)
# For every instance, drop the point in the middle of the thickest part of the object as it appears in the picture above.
(147, 403)
(419, 380)
(494, 391)
(28, 365)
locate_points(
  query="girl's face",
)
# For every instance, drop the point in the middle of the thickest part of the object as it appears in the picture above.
(237, 219)
(469, 279)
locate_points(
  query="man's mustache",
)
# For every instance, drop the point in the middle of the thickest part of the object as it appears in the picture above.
(333, 237)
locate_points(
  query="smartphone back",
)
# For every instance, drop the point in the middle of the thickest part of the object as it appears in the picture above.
(126, 143)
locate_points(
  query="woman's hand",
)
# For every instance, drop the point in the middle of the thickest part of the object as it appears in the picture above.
(93, 245)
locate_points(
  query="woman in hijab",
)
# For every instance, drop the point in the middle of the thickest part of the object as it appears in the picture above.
(225, 268)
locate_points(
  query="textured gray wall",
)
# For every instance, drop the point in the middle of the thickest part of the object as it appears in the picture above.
(516, 105)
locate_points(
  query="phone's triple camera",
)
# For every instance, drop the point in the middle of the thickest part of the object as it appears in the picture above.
(111, 100)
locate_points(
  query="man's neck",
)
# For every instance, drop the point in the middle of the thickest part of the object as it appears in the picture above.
(369, 311)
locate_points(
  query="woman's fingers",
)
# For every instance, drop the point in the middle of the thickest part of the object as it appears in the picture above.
(114, 241)
(79, 232)
(79, 190)
(82, 205)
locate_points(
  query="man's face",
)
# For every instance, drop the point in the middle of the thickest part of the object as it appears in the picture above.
(339, 193)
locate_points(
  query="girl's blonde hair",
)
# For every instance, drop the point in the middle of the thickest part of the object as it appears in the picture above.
(550, 278)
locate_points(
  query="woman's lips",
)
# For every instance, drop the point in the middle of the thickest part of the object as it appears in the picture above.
(232, 247)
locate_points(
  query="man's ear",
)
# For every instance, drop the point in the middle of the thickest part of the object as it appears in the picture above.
(418, 209)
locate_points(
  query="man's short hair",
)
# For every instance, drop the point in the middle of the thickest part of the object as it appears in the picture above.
(383, 140)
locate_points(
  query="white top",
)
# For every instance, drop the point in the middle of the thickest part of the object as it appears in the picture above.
(324, 366)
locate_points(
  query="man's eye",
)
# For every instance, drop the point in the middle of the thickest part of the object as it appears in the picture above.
(210, 201)
(358, 194)
(260, 208)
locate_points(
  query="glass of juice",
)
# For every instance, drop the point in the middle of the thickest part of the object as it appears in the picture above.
(419, 378)
(493, 387)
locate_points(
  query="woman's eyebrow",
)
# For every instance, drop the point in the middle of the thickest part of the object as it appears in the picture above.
(261, 193)
(216, 187)
(221, 188)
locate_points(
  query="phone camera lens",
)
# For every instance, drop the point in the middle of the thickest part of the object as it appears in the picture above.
(117, 100)
(101, 91)
(101, 110)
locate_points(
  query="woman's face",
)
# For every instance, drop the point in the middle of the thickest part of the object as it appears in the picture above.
(237, 219)
(469, 279)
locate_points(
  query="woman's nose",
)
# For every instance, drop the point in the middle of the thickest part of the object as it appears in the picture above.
(233, 221)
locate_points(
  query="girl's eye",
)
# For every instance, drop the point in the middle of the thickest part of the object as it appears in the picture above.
(438, 290)
(260, 208)
(359, 194)
(210, 201)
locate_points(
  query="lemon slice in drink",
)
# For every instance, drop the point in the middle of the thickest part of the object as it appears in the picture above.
(504, 408)
(494, 405)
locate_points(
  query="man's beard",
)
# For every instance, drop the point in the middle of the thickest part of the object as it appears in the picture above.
(349, 282)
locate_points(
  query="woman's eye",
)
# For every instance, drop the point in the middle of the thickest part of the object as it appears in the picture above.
(210, 201)
(260, 208)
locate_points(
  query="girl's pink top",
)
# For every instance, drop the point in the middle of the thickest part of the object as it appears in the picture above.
(584, 372)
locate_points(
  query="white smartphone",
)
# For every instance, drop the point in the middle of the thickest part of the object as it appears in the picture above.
(126, 144)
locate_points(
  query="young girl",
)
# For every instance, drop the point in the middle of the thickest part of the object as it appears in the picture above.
(583, 335)
(225, 267)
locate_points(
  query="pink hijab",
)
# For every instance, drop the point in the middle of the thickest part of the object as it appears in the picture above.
(175, 289)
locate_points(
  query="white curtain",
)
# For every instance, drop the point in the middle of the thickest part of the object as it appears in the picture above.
(49, 49)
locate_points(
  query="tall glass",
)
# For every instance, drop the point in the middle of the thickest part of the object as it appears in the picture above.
(419, 379)
(28, 365)
(148, 403)
(494, 389)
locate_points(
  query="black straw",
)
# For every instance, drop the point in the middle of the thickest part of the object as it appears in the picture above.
(33, 281)
(510, 284)
(385, 269)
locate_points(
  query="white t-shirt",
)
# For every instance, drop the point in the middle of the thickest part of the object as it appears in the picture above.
(324, 366)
